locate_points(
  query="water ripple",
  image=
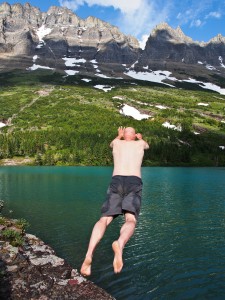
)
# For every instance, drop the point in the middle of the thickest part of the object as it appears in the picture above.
(177, 251)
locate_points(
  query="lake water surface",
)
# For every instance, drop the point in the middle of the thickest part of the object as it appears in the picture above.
(177, 251)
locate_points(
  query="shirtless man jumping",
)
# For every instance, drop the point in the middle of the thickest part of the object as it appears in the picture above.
(123, 195)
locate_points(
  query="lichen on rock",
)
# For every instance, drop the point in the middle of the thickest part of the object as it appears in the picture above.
(33, 271)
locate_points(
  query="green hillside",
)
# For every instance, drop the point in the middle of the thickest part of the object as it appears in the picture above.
(58, 120)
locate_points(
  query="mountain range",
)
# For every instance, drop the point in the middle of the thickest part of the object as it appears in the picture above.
(59, 40)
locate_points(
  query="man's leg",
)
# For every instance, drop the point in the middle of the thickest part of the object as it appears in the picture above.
(126, 232)
(97, 234)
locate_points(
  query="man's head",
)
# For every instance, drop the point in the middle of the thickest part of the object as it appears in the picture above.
(129, 134)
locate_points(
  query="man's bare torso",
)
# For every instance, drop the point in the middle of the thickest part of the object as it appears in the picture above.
(128, 157)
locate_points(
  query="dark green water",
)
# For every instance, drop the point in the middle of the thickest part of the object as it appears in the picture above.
(178, 250)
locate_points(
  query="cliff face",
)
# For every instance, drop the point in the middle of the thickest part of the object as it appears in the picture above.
(170, 44)
(26, 32)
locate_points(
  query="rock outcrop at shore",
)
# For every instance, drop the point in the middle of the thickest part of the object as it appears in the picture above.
(33, 271)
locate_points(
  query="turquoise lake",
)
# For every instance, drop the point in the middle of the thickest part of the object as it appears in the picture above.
(177, 251)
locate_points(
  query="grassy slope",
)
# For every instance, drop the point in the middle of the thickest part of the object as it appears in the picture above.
(74, 122)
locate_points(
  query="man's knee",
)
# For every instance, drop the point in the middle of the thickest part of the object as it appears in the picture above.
(106, 220)
(129, 217)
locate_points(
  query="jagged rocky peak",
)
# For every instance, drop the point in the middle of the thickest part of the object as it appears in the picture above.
(5, 9)
(18, 10)
(25, 30)
(164, 31)
(55, 10)
(17, 15)
(60, 16)
(218, 39)
(133, 42)
(95, 22)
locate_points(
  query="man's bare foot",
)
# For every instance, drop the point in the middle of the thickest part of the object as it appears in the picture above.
(118, 260)
(86, 267)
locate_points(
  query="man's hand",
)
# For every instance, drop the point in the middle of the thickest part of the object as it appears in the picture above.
(139, 136)
(120, 135)
(120, 132)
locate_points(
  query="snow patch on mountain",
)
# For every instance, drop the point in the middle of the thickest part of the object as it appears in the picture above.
(2, 125)
(171, 126)
(221, 61)
(35, 57)
(35, 67)
(86, 79)
(71, 72)
(102, 76)
(161, 106)
(41, 33)
(154, 76)
(203, 104)
(72, 62)
(132, 66)
(209, 67)
(105, 88)
(130, 111)
(206, 85)
(118, 97)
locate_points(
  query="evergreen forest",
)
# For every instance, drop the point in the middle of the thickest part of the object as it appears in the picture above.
(54, 119)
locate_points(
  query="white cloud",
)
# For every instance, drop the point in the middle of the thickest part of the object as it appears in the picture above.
(143, 41)
(139, 17)
(196, 23)
(127, 7)
(136, 17)
(73, 5)
(214, 14)
(190, 10)
(187, 16)
(141, 20)
(179, 16)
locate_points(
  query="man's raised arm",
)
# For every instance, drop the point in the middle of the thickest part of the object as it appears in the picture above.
(139, 137)
(119, 136)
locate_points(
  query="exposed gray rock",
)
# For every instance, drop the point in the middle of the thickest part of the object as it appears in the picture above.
(22, 33)
(33, 271)
(171, 45)
(26, 32)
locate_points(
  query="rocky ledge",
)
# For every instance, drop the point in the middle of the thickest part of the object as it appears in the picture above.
(33, 271)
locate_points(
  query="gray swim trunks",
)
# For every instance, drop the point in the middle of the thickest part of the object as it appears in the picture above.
(123, 195)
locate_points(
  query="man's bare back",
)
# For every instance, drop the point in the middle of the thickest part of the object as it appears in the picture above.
(128, 153)
(128, 157)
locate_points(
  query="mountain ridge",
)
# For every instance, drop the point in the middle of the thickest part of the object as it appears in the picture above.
(26, 32)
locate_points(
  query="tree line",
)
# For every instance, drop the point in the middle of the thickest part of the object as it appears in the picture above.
(72, 147)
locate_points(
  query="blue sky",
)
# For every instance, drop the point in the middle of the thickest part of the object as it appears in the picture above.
(200, 20)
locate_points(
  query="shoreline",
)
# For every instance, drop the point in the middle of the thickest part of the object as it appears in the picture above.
(29, 162)
(33, 271)
(17, 161)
